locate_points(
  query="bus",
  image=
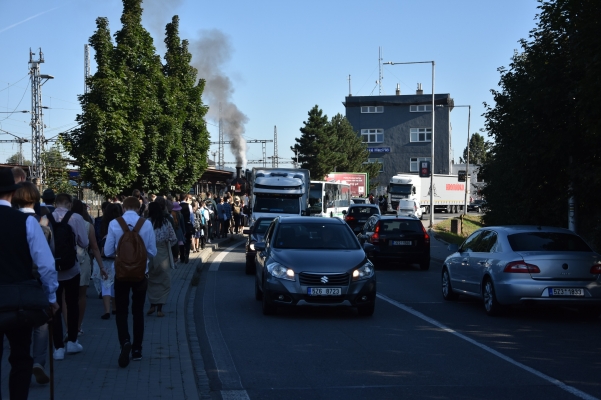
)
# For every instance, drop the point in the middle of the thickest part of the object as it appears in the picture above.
(329, 199)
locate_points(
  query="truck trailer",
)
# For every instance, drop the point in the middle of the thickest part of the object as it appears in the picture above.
(448, 192)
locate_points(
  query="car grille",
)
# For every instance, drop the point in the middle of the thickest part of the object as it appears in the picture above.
(316, 279)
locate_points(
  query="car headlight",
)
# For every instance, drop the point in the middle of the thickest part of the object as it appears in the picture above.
(252, 246)
(281, 272)
(364, 272)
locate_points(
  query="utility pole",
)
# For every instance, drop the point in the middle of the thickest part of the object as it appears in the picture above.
(37, 123)
(86, 68)
(221, 142)
(275, 147)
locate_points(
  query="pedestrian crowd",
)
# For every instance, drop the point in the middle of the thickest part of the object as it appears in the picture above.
(52, 248)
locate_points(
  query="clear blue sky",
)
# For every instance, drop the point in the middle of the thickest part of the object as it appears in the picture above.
(285, 56)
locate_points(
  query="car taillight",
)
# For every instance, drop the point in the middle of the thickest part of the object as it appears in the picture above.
(349, 218)
(596, 269)
(521, 267)
(375, 238)
(426, 236)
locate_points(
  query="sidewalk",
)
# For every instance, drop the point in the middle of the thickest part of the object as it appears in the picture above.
(166, 370)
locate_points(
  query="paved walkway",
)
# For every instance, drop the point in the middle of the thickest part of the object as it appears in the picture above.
(166, 370)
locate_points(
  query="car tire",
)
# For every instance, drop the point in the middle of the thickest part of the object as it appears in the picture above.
(424, 264)
(367, 311)
(250, 268)
(267, 306)
(258, 293)
(491, 305)
(447, 289)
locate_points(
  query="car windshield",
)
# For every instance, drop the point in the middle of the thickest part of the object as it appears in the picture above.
(359, 201)
(314, 236)
(400, 188)
(362, 211)
(546, 241)
(281, 204)
(261, 225)
(392, 226)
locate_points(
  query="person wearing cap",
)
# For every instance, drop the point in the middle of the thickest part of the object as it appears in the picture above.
(22, 243)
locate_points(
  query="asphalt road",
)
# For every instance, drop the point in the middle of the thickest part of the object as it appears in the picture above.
(415, 346)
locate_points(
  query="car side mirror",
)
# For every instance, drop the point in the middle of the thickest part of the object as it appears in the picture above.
(453, 248)
(343, 212)
(246, 231)
(260, 246)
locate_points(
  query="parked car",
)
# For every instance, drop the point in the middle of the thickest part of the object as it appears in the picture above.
(255, 234)
(313, 261)
(477, 205)
(359, 200)
(513, 265)
(409, 208)
(397, 238)
(357, 214)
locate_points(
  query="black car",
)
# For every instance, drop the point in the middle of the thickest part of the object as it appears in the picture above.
(255, 234)
(358, 214)
(313, 261)
(402, 239)
(477, 205)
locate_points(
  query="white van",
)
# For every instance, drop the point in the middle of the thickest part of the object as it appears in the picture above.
(409, 208)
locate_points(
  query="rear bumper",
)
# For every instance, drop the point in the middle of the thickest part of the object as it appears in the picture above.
(533, 292)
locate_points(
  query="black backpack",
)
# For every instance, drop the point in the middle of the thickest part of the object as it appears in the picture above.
(65, 254)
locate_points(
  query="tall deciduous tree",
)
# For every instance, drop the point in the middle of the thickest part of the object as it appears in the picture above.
(478, 150)
(18, 158)
(142, 123)
(57, 174)
(546, 132)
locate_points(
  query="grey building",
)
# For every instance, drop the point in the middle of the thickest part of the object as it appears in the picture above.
(397, 130)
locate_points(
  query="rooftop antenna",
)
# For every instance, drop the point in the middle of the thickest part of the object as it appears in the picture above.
(275, 163)
(380, 77)
(349, 86)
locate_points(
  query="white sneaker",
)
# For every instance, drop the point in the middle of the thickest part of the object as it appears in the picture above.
(59, 354)
(74, 347)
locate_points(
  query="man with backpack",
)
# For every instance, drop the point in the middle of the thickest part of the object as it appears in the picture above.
(131, 241)
(69, 230)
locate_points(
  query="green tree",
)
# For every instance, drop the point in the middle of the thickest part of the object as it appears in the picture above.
(57, 174)
(546, 132)
(142, 122)
(353, 151)
(18, 158)
(316, 148)
(478, 150)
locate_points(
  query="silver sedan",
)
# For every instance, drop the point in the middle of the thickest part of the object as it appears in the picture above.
(521, 265)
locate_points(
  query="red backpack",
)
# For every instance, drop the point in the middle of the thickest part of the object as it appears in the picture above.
(131, 256)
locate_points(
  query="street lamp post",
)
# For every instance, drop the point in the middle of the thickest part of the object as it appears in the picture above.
(432, 138)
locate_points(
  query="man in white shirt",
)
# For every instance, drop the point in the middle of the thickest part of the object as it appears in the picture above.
(22, 243)
(131, 206)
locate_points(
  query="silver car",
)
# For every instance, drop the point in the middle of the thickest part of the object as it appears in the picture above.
(513, 265)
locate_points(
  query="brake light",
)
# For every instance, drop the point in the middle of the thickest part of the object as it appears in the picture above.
(596, 269)
(375, 238)
(349, 218)
(521, 267)
(426, 236)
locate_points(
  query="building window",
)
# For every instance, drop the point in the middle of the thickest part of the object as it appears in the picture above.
(375, 160)
(413, 166)
(372, 135)
(372, 109)
(423, 108)
(421, 134)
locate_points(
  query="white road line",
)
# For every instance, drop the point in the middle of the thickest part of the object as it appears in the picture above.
(561, 385)
(226, 369)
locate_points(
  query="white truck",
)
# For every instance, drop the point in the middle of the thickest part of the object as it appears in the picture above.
(278, 191)
(449, 194)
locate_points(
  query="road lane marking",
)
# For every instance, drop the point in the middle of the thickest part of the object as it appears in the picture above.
(561, 385)
(226, 369)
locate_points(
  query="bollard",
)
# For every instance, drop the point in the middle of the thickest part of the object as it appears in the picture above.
(456, 226)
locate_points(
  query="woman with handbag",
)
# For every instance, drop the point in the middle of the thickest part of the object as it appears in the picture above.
(159, 267)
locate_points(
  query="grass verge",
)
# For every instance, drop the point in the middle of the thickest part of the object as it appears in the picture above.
(471, 223)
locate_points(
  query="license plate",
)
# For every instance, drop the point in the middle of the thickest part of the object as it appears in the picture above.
(566, 292)
(314, 291)
(400, 242)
